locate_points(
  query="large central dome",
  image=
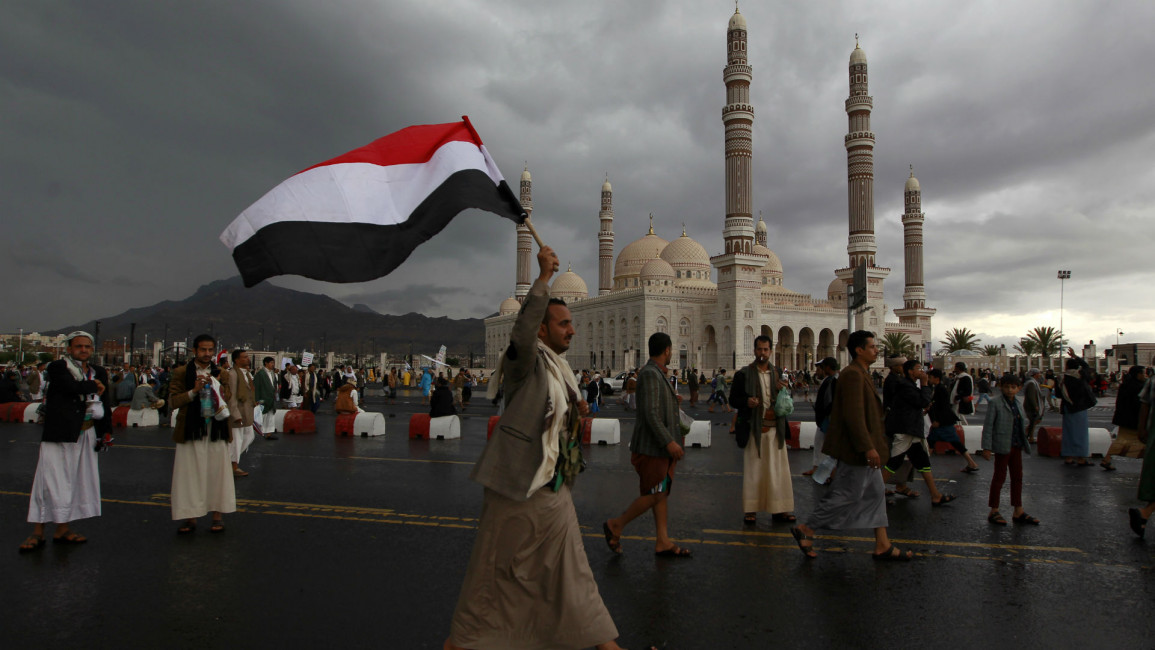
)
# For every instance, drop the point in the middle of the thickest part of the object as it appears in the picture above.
(634, 256)
(688, 259)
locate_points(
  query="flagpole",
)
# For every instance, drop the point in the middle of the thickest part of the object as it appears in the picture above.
(532, 231)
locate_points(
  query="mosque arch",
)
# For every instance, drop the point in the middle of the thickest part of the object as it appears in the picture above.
(825, 343)
(804, 357)
(710, 358)
(784, 351)
(768, 332)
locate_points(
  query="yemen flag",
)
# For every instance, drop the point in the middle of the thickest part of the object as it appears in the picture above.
(359, 216)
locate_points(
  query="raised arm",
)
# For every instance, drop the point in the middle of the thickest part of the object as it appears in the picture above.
(522, 353)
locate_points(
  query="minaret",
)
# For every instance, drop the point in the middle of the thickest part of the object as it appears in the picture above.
(859, 143)
(524, 239)
(739, 284)
(760, 232)
(738, 118)
(606, 240)
(914, 311)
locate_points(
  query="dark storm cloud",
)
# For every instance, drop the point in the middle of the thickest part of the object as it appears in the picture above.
(135, 131)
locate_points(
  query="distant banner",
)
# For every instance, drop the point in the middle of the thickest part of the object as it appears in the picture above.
(306, 358)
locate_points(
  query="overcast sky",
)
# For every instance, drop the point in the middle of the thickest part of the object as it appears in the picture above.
(134, 132)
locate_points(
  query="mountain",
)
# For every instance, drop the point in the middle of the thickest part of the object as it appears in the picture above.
(289, 320)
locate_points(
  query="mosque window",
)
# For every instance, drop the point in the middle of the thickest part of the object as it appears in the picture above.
(662, 325)
(726, 312)
(684, 327)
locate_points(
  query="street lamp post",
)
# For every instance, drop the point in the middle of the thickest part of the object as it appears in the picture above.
(1118, 365)
(1063, 277)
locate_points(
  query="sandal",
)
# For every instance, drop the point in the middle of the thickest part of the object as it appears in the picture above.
(996, 519)
(187, 528)
(217, 527)
(1025, 519)
(970, 470)
(893, 554)
(36, 542)
(1107, 467)
(615, 543)
(783, 516)
(799, 536)
(943, 500)
(71, 537)
(240, 472)
(810, 472)
(675, 551)
(908, 492)
(750, 519)
(1138, 523)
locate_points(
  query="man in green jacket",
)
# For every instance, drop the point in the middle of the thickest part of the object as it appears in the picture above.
(656, 447)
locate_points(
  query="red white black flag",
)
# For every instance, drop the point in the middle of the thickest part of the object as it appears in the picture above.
(358, 216)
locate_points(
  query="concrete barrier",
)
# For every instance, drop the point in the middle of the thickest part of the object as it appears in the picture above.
(360, 424)
(807, 431)
(603, 431)
(13, 411)
(120, 417)
(143, 418)
(445, 428)
(1050, 441)
(1100, 441)
(699, 435)
(31, 413)
(297, 421)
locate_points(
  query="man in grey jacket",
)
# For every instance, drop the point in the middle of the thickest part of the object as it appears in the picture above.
(529, 583)
(656, 447)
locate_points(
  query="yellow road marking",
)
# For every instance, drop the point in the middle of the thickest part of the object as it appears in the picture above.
(929, 542)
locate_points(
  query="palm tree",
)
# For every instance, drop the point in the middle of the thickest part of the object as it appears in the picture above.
(1047, 341)
(958, 339)
(1027, 346)
(898, 343)
(992, 350)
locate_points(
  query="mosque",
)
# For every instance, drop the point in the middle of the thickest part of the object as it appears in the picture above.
(656, 285)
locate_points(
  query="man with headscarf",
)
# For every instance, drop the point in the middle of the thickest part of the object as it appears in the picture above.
(202, 477)
(77, 422)
(529, 583)
(264, 387)
(311, 389)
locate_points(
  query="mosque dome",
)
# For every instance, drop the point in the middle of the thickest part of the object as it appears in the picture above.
(737, 21)
(857, 56)
(774, 265)
(509, 306)
(912, 183)
(657, 269)
(569, 286)
(525, 175)
(761, 227)
(688, 259)
(836, 290)
(635, 255)
(606, 187)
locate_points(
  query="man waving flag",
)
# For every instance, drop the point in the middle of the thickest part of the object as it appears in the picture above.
(359, 216)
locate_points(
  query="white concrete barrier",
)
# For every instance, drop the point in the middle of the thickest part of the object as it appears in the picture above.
(973, 437)
(143, 418)
(699, 435)
(31, 413)
(368, 425)
(1100, 440)
(605, 431)
(279, 419)
(445, 428)
(806, 433)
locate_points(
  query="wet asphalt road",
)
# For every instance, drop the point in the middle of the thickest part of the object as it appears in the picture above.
(362, 543)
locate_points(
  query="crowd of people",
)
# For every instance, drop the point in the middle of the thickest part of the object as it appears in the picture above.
(528, 582)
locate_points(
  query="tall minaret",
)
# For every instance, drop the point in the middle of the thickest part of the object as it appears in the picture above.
(738, 118)
(859, 142)
(606, 239)
(739, 284)
(760, 232)
(914, 311)
(524, 239)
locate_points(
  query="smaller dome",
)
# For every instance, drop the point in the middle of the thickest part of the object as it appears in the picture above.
(857, 56)
(569, 285)
(912, 182)
(606, 187)
(509, 306)
(761, 227)
(525, 175)
(774, 265)
(657, 269)
(836, 290)
(737, 21)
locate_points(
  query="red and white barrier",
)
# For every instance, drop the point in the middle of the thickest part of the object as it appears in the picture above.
(806, 434)
(120, 417)
(296, 421)
(1050, 441)
(603, 431)
(360, 424)
(1100, 441)
(443, 428)
(31, 413)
